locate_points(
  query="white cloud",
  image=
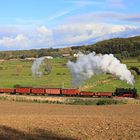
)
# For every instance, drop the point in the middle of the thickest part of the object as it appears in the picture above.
(18, 41)
(76, 34)
(44, 37)
(42, 30)
(65, 35)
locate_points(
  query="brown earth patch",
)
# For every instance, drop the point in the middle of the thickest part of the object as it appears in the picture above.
(27, 121)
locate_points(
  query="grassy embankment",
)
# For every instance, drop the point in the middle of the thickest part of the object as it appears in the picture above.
(19, 72)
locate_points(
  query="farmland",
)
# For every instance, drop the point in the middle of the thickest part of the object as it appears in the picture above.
(43, 117)
(14, 72)
(68, 122)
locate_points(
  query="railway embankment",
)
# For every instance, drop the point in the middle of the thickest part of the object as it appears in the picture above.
(68, 100)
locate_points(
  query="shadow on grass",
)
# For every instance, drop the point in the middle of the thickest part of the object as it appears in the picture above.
(8, 133)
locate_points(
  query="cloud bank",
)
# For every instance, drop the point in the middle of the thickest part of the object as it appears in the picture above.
(63, 35)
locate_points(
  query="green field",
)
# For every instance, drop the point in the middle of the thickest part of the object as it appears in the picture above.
(14, 72)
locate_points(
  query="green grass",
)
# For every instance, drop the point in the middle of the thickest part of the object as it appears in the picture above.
(10, 77)
(131, 62)
(59, 76)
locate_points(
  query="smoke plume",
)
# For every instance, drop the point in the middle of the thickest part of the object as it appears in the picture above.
(36, 65)
(88, 65)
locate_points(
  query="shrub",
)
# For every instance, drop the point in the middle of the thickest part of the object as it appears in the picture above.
(138, 59)
(16, 86)
(134, 73)
(58, 73)
(1, 68)
(81, 102)
(94, 102)
(107, 102)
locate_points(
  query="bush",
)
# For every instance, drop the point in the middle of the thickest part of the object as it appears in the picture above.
(80, 102)
(16, 86)
(94, 102)
(134, 73)
(73, 59)
(1, 68)
(107, 102)
(138, 59)
(58, 73)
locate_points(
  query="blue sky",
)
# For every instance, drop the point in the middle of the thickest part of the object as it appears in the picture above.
(27, 24)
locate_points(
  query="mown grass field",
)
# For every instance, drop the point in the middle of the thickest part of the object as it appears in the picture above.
(14, 72)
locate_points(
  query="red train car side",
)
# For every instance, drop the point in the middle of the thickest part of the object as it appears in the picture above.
(70, 92)
(127, 95)
(23, 90)
(104, 94)
(120, 92)
(1, 90)
(86, 93)
(7, 90)
(38, 91)
(53, 91)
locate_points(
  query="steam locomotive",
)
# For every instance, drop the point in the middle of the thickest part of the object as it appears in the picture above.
(122, 92)
(119, 92)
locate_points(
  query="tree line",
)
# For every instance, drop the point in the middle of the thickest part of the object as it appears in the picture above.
(120, 47)
(123, 47)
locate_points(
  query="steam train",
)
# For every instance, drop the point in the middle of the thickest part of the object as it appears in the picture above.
(119, 92)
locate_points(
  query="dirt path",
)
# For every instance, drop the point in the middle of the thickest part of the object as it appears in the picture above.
(50, 121)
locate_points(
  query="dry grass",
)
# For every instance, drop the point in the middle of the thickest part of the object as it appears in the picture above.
(38, 99)
(68, 100)
(28, 121)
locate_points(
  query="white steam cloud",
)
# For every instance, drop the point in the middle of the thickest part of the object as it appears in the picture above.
(88, 65)
(36, 65)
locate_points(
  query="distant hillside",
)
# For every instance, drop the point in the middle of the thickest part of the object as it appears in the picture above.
(123, 46)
